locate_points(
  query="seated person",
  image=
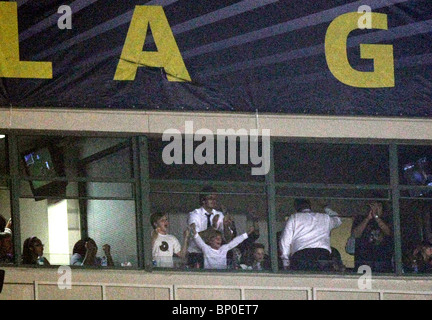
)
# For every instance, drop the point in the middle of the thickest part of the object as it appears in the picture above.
(256, 259)
(84, 254)
(5, 227)
(421, 259)
(6, 250)
(215, 254)
(6, 247)
(166, 246)
(33, 252)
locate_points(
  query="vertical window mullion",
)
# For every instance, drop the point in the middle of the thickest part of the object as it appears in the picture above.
(143, 196)
(138, 202)
(271, 210)
(15, 195)
(394, 184)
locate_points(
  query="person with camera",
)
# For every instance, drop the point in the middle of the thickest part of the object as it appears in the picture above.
(373, 239)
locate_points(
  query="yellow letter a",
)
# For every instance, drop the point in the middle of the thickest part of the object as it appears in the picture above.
(168, 55)
(10, 64)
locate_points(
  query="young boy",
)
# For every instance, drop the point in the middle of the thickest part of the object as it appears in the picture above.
(166, 246)
(256, 258)
(215, 254)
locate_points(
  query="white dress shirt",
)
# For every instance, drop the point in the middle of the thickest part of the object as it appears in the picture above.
(307, 230)
(199, 217)
(217, 259)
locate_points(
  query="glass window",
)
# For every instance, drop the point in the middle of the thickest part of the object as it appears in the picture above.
(180, 196)
(60, 156)
(6, 240)
(77, 201)
(346, 178)
(79, 188)
(233, 163)
(331, 163)
(416, 235)
(310, 231)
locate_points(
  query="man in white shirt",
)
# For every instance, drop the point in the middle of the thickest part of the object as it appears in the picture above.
(200, 220)
(306, 237)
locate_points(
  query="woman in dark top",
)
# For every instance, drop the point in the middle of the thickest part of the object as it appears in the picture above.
(421, 259)
(33, 252)
(374, 242)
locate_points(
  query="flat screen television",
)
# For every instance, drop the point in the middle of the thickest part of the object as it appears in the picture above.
(418, 173)
(45, 162)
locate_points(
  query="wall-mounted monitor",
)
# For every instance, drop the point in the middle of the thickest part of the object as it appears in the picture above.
(45, 162)
(418, 173)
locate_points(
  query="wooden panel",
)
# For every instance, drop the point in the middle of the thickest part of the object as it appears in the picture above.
(17, 292)
(137, 293)
(78, 292)
(207, 294)
(407, 296)
(343, 295)
(273, 294)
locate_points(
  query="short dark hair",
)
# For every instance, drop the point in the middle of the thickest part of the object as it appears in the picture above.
(258, 246)
(80, 248)
(205, 192)
(155, 217)
(384, 205)
(27, 255)
(212, 234)
(301, 204)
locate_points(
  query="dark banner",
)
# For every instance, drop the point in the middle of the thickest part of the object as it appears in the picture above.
(335, 57)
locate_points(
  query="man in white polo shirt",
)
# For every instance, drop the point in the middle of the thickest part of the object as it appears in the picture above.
(306, 237)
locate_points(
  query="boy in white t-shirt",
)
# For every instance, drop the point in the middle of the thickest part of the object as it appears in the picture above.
(215, 254)
(166, 246)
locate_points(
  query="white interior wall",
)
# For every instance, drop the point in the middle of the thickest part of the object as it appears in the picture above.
(111, 222)
(5, 209)
(34, 222)
(58, 233)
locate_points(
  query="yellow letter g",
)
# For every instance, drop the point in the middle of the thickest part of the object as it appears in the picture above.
(337, 59)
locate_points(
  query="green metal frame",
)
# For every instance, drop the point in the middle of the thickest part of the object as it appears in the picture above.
(271, 210)
(394, 183)
(141, 181)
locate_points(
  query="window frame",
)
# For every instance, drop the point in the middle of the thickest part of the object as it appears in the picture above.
(141, 181)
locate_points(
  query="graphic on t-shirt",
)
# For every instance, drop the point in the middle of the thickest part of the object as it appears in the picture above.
(164, 246)
(376, 237)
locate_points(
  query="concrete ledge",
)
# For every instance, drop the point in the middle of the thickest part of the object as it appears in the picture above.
(33, 283)
(141, 122)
